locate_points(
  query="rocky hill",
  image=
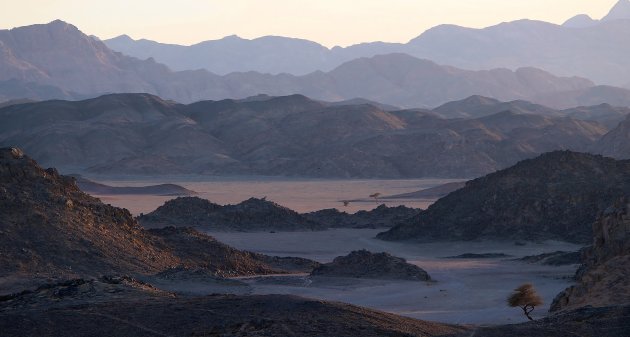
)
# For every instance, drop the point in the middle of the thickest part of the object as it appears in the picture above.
(554, 196)
(364, 264)
(602, 278)
(250, 215)
(50, 228)
(143, 134)
(379, 217)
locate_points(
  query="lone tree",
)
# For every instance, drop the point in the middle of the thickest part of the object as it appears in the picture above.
(526, 298)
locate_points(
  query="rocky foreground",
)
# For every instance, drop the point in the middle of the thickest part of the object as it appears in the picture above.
(106, 308)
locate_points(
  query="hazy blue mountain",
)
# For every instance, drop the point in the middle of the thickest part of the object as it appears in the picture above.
(565, 50)
(621, 11)
(58, 55)
(580, 21)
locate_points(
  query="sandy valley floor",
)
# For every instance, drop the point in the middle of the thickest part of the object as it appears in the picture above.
(465, 291)
(301, 195)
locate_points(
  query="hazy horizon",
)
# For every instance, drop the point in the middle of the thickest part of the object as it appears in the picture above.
(341, 22)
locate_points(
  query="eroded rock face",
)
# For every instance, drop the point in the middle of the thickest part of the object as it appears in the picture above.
(364, 264)
(603, 277)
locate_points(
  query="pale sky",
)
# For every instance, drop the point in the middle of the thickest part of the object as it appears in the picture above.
(329, 22)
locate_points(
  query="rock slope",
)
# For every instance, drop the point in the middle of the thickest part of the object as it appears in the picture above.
(364, 264)
(50, 228)
(554, 196)
(602, 280)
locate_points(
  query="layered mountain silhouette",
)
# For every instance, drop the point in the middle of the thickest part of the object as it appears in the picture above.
(289, 136)
(567, 49)
(556, 196)
(56, 60)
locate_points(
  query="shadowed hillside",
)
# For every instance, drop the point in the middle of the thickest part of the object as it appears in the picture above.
(555, 196)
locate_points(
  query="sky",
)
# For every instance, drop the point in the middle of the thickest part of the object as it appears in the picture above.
(329, 22)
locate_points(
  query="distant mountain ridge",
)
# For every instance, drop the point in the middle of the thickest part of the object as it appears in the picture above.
(566, 50)
(65, 63)
(286, 136)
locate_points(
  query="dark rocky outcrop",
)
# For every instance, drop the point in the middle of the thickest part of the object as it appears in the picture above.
(554, 196)
(250, 215)
(602, 280)
(364, 264)
(379, 217)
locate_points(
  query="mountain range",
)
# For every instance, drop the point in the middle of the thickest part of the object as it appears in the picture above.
(293, 136)
(57, 61)
(567, 49)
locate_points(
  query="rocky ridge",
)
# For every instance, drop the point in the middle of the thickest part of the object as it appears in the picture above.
(250, 215)
(555, 196)
(379, 217)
